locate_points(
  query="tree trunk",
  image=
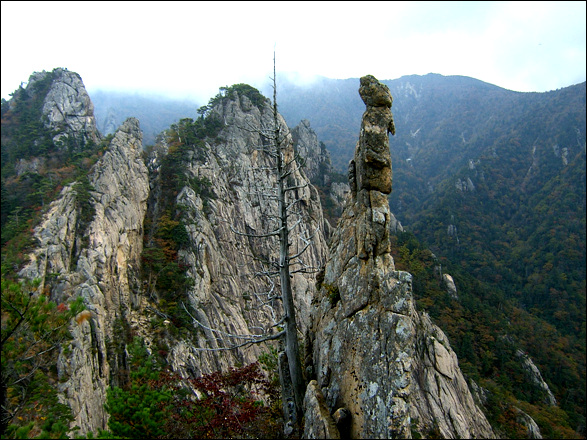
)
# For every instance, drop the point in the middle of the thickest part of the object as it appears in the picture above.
(291, 336)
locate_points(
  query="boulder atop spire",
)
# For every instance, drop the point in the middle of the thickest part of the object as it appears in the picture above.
(370, 353)
(372, 157)
(370, 171)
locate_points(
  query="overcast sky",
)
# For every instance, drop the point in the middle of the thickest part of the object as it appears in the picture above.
(190, 49)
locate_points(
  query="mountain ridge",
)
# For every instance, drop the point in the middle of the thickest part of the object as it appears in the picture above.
(196, 161)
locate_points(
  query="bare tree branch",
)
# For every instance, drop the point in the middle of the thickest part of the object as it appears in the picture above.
(246, 234)
(250, 339)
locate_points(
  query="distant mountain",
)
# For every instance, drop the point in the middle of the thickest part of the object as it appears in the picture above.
(155, 113)
(464, 150)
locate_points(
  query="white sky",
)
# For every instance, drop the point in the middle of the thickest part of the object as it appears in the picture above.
(190, 49)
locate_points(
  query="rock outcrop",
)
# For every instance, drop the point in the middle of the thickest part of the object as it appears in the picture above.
(317, 166)
(535, 378)
(317, 163)
(529, 423)
(318, 422)
(67, 108)
(99, 261)
(92, 248)
(369, 350)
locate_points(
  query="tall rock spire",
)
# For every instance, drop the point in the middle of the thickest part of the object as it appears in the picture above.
(370, 170)
(372, 156)
(372, 356)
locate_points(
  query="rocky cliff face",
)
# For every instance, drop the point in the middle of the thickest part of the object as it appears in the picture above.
(93, 249)
(99, 261)
(67, 108)
(318, 166)
(372, 355)
(225, 298)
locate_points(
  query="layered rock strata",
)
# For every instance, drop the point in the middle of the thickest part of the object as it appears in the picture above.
(370, 352)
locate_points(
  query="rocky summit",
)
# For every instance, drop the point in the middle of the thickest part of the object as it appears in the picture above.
(67, 107)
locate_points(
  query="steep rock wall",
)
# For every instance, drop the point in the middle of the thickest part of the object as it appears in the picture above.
(100, 262)
(229, 282)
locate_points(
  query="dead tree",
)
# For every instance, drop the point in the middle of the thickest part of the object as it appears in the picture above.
(284, 168)
(291, 337)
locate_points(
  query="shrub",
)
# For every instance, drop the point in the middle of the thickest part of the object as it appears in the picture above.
(158, 403)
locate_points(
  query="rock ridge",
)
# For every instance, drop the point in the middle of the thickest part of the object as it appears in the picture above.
(100, 260)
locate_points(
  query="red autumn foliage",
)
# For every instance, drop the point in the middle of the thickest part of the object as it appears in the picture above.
(234, 404)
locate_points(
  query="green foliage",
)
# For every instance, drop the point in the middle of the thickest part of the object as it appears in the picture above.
(165, 276)
(203, 187)
(138, 410)
(186, 141)
(225, 93)
(520, 258)
(332, 292)
(23, 132)
(26, 195)
(503, 413)
(159, 404)
(86, 210)
(270, 363)
(83, 199)
(34, 330)
(161, 266)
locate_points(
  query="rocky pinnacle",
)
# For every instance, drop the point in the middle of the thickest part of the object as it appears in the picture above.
(370, 170)
(371, 354)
